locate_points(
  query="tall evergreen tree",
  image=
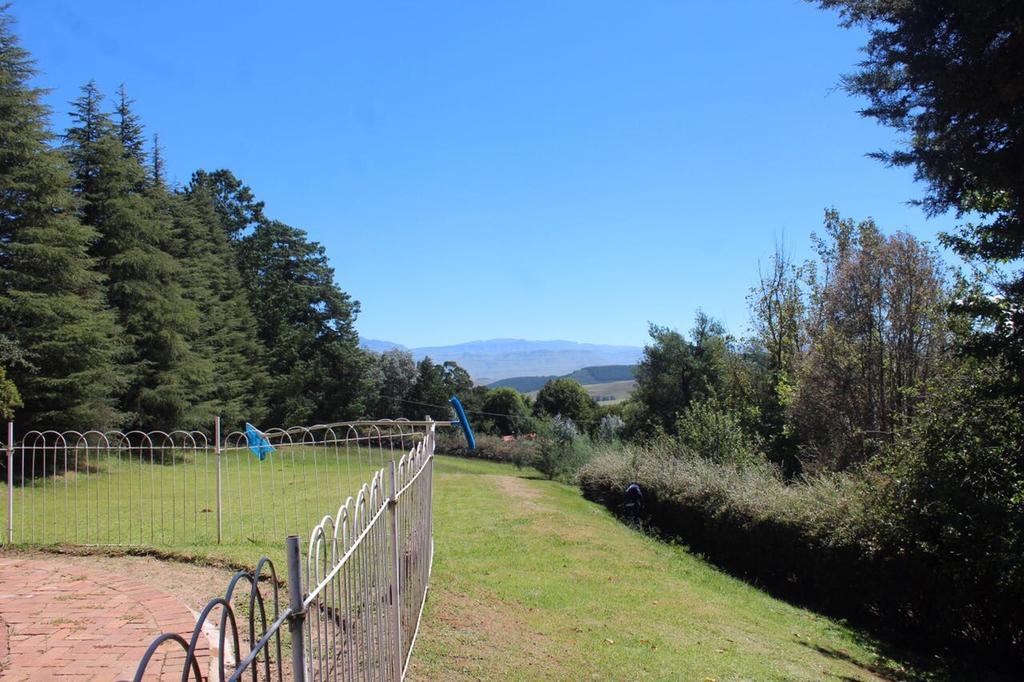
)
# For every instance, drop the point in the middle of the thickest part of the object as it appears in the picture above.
(318, 372)
(236, 205)
(134, 246)
(51, 296)
(429, 395)
(129, 127)
(227, 338)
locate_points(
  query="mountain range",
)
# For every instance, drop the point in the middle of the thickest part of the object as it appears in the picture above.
(495, 359)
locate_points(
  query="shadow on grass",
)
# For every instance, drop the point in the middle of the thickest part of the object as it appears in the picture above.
(883, 671)
(910, 659)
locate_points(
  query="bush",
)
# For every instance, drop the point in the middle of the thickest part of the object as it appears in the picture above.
(563, 450)
(823, 541)
(609, 428)
(520, 452)
(715, 433)
(953, 507)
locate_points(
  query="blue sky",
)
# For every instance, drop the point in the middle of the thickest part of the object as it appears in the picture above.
(534, 170)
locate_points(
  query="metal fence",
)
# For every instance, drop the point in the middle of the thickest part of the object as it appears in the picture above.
(355, 603)
(183, 487)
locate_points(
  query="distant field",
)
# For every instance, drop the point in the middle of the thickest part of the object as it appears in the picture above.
(606, 394)
(601, 374)
(612, 392)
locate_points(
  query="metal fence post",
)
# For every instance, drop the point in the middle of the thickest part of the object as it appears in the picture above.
(216, 449)
(296, 622)
(396, 582)
(10, 483)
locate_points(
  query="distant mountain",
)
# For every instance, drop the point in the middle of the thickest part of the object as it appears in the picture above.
(495, 359)
(587, 376)
(380, 346)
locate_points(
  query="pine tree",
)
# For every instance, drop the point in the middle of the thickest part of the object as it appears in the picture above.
(51, 296)
(237, 208)
(134, 246)
(227, 338)
(429, 395)
(318, 372)
(129, 127)
(156, 166)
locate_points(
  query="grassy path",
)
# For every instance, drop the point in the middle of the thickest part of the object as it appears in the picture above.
(533, 582)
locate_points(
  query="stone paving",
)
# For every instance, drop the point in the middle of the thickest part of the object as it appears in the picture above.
(71, 623)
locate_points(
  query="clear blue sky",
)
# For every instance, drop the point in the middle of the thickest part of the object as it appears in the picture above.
(535, 170)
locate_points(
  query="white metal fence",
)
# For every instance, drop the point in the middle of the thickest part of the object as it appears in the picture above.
(182, 488)
(367, 570)
(355, 607)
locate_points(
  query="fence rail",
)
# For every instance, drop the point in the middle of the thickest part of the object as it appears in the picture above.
(355, 604)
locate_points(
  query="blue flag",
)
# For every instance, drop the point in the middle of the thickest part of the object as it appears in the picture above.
(258, 443)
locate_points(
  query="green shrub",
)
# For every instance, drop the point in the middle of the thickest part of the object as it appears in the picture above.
(952, 505)
(521, 452)
(713, 432)
(563, 450)
(828, 540)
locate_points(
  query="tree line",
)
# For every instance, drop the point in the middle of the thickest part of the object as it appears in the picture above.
(126, 302)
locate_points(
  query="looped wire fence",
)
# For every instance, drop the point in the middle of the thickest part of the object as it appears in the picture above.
(354, 604)
(184, 488)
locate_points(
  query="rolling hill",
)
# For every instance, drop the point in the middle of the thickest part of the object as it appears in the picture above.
(587, 376)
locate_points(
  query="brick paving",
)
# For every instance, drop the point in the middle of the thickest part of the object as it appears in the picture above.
(70, 623)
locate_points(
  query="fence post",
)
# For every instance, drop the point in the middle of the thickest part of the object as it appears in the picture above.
(216, 450)
(396, 582)
(296, 622)
(10, 483)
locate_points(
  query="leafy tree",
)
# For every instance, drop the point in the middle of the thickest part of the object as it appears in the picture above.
(609, 428)
(951, 502)
(434, 385)
(457, 381)
(566, 397)
(394, 378)
(473, 399)
(876, 332)
(51, 296)
(674, 372)
(947, 76)
(507, 413)
(709, 430)
(135, 240)
(777, 306)
(318, 372)
(9, 396)
(429, 395)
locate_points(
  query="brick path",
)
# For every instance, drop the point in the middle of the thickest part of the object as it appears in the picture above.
(69, 623)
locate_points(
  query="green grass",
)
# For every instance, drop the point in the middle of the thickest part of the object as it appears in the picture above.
(171, 506)
(531, 581)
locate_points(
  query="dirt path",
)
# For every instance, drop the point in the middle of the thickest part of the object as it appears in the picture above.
(92, 618)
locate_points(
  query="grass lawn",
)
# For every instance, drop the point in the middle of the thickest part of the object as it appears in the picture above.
(170, 507)
(531, 581)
